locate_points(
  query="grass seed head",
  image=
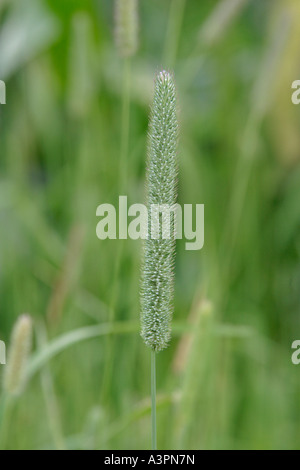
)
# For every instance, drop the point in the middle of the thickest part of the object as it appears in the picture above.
(18, 356)
(126, 27)
(159, 254)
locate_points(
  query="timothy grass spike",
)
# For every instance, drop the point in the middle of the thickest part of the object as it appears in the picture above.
(18, 356)
(126, 27)
(159, 253)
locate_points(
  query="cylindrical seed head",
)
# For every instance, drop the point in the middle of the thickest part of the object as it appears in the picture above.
(18, 355)
(126, 27)
(159, 253)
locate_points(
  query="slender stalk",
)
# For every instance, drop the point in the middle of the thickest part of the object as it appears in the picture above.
(2, 412)
(176, 16)
(5, 410)
(153, 399)
(123, 180)
(125, 124)
(50, 398)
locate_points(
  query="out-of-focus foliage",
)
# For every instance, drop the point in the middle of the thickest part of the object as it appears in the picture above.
(228, 381)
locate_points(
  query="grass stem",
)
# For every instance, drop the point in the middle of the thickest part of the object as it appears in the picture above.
(176, 16)
(153, 399)
(2, 411)
(5, 410)
(125, 124)
(123, 184)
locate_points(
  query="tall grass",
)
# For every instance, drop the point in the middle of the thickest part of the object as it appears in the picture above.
(159, 251)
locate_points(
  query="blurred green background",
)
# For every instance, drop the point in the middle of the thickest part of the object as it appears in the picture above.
(227, 380)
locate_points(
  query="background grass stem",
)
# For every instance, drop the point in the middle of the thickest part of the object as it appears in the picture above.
(123, 185)
(6, 404)
(176, 16)
(124, 164)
